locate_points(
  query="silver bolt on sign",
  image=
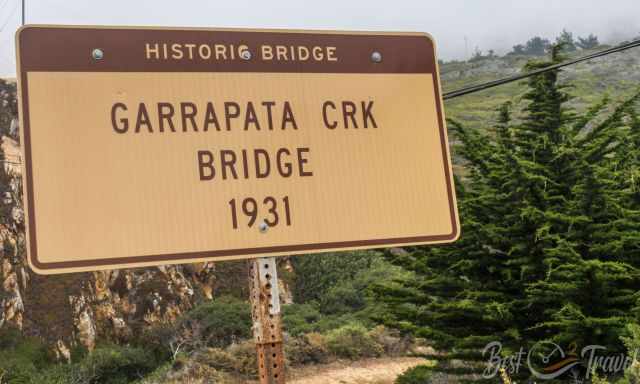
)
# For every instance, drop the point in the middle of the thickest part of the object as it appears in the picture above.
(263, 227)
(97, 54)
(245, 55)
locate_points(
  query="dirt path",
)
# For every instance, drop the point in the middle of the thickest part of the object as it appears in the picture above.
(371, 371)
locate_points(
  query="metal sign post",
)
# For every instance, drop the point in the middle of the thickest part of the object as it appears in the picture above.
(265, 313)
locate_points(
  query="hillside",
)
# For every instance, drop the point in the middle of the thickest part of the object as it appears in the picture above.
(615, 75)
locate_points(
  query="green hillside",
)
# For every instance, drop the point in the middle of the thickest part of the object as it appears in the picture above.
(615, 75)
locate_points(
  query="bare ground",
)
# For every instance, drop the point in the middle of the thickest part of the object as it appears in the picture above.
(369, 371)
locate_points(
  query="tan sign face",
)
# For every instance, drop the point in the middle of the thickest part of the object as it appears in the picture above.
(147, 147)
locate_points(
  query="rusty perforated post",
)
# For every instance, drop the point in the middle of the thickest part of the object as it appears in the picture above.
(267, 330)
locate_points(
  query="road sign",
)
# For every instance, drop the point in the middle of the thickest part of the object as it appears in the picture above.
(159, 146)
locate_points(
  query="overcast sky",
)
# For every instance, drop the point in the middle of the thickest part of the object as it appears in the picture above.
(459, 26)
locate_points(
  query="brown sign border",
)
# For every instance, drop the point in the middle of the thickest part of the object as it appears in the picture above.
(402, 52)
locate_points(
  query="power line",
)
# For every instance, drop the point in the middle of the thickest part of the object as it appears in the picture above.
(495, 83)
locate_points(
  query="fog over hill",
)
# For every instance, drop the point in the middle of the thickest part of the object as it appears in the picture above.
(616, 75)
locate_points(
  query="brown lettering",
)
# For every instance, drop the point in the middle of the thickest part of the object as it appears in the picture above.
(349, 112)
(143, 118)
(228, 115)
(228, 163)
(287, 116)
(124, 121)
(188, 115)
(367, 115)
(210, 117)
(251, 118)
(205, 163)
(328, 104)
(302, 161)
(261, 173)
(269, 105)
(288, 168)
(168, 116)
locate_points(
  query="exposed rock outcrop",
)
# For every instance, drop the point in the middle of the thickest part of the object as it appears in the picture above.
(79, 309)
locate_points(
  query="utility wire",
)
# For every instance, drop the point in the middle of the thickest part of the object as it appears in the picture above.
(495, 83)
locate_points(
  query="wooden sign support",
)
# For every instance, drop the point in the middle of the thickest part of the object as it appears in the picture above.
(265, 313)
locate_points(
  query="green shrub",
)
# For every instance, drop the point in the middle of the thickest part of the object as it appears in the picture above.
(192, 371)
(631, 341)
(219, 322)
(631, 338)
(300, 318)
(632, 374)
(420, 374)
(10, 338)
(352, 341)
(115, 365)
(60, 373)
(17, 348)
(16, 372)
(346, 296)
(341, 284)
(21, 357)
(157, 339)
(316, 274)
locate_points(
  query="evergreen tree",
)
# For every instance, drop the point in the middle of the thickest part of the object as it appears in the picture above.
(549, 233)
(536, 46)
(588, 42)
(566, 41)
(518, 49)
